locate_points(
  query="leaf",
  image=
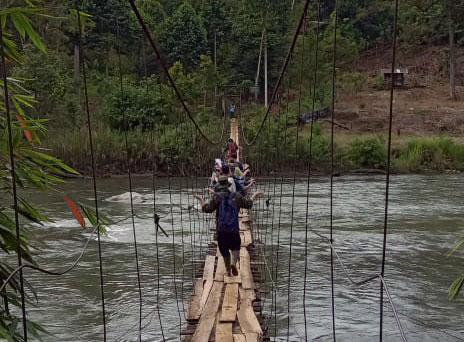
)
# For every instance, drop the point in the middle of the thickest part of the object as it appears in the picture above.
(75, 210)
(30, 212)
(23, 125)
(457, 246)
(19, 17)
(18, 21)
(455, 288)
(5, 335)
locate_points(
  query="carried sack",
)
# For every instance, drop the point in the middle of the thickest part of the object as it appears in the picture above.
(228, 214)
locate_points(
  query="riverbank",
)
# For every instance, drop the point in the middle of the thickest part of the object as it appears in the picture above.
(176, 155)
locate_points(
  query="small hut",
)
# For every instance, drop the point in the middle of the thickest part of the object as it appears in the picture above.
(398, 77)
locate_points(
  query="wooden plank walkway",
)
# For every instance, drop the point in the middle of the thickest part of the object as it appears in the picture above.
(223, 308)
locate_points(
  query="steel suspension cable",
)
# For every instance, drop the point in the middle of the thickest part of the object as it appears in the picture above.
(280, 209)
(297, 137)
(156, 231)
(129, 175)
(358, 283)
(173, 241)
(92, 158)
(315, 85)
(191, 206)
(182, 236)
(14, 181)
(268, 213)
(332, 168)
(156, 218)
(387, 178)
(277, 149)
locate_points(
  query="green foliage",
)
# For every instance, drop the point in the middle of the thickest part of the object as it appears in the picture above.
(168, 148)
(153, 12)
(371, 20)
(430, 153)
(368, 153)
(352, 82)
(139, 106)
(455, 288)
(184, 36)
(49, 80)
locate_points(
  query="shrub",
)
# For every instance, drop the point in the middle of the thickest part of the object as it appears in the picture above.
(368, 153)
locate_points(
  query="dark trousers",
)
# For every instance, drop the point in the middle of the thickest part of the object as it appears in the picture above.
(228, 241)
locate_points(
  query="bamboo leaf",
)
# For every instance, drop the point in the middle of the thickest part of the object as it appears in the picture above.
(32, 33)
(23, 125)
(31, 213)
(18, 22)
(5, 334)
(75, 210)
(455, 288)
(457, 246)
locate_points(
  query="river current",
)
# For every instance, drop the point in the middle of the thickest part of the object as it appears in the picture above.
(426, 219)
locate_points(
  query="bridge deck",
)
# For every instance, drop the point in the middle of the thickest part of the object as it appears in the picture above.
(224, 308)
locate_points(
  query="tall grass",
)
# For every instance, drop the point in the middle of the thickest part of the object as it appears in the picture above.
(438, 154)
(174, 150)
(180, 151)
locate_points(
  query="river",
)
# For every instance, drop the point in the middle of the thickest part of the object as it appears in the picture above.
(426, 219)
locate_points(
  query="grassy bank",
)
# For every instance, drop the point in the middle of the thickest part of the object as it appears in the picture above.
(180, 152)
(174, 150)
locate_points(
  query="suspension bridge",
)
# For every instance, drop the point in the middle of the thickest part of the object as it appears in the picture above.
(225, 308)
(222, 307)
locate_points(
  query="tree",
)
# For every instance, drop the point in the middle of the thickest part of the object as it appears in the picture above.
(153, 12)
(184, 37)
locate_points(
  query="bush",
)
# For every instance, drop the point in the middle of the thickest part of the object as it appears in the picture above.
(352, 82)
(368, 153)
(320, 145)
(140, 104)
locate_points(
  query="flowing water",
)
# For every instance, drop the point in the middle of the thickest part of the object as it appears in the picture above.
(426, 219)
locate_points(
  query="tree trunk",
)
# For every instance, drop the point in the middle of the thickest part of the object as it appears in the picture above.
(77, 70)
(76, 64)
(452, 52)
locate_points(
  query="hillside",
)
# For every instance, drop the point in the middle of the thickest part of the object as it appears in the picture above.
(422, 107)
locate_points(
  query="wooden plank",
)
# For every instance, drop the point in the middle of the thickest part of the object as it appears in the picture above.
(247, 294)
(207, 286)
(239, 338)
(224, 332)
(245, 219)
(194, 309)
(246, 238)
(245, 270)
(247, 318)
(208, 317)
(229, 303)
(208, 272)
(233, 280)
(251, 337)
(220, 269)
(244, 226)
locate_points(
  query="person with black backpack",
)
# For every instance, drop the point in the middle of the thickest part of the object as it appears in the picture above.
(227, 205)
